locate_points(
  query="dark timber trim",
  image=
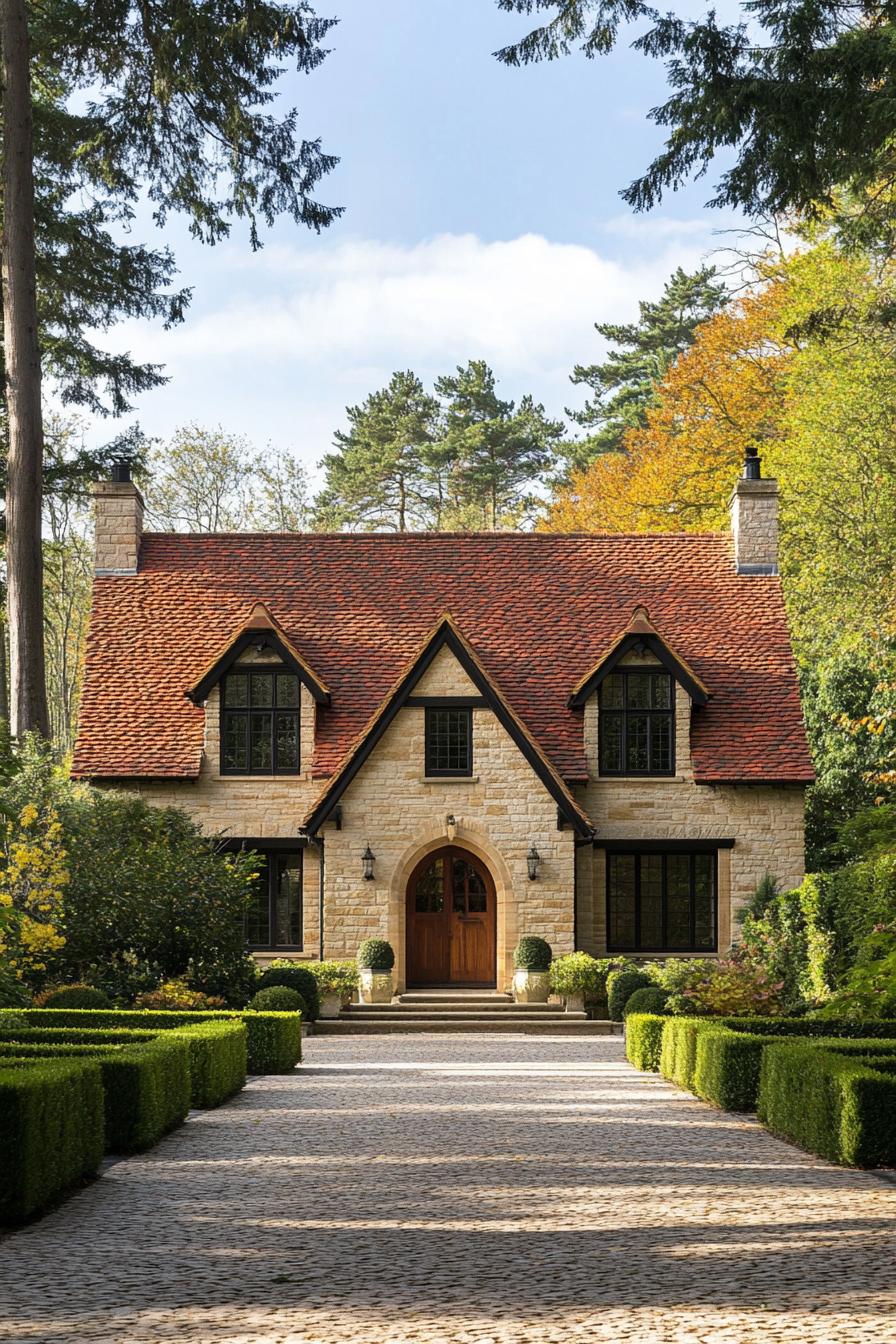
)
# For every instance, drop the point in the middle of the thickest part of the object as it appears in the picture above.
(268, 639)
(635, 846)
(446, 636)
(659, 648)
(446, 702)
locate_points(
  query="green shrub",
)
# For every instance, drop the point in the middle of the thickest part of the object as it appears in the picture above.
(647, 999)
(335, 977)
(375, 954)
(13, 993)
(217, 1050)
(72, 996)
(643, 1040)
(577, 973)
(228, 975)
(277, 999)
(51, 1131)
(142, 878)
(869, 988)
(719, 1059)
(726, 1066)
(678, 1051)
(274, 1039)
(532, 954)
(174, 994)
(146, 1083)
(218, 1058)
(298, 978)
(620, 987)
(834, 1099)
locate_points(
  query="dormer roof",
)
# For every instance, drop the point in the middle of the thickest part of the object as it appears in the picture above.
(640, 635)
(261, 631)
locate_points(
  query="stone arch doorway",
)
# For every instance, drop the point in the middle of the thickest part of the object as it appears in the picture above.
(451, 921)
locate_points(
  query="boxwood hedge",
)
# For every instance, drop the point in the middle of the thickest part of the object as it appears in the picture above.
(835, 1098)
(274, 1040)
(643, 1040)
(51, 1131)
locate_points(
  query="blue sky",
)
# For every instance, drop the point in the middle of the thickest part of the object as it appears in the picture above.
(482, 219)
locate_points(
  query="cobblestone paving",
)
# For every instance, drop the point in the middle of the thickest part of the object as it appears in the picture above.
(471, 1190)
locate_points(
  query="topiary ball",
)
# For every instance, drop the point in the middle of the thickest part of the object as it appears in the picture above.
(647, 999)
(75, 996)
(375, 954)
(299, 979)
(278, 999)
(532, 954)
(621, 985)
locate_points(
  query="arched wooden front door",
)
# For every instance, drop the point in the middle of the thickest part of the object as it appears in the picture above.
(451, 922)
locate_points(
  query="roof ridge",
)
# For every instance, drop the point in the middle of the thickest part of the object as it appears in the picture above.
(443, 536)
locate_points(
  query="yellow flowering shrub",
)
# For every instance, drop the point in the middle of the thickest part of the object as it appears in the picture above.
(33, 877)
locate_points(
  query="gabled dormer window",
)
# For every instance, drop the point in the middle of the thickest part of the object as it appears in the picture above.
(637, 722)
(260, 722)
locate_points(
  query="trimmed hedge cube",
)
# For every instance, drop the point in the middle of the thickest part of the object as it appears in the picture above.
(644, 1039)
(678, 1052)
(51, 1131)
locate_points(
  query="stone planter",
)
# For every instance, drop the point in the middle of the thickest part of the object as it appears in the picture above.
(376, 986)
(330, 1005)
(575, 1003)
(531, 986)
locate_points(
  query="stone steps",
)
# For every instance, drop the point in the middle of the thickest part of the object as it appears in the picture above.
(564, 1024)
(461, 1011)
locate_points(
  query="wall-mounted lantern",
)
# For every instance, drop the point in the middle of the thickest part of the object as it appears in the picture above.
(533, 859)
(450, 828)
(367, 859)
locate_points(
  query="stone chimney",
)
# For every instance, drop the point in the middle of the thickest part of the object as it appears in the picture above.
(754, 519)
(118, 514)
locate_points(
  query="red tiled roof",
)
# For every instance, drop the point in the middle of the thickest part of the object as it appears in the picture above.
(539, 610)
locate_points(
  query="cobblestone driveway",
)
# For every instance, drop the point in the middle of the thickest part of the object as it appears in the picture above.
(464, 1189)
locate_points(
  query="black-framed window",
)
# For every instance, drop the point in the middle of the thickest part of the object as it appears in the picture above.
(637, 722)
(274, 918)
(661, 902)
(260, 722)
(449, 742)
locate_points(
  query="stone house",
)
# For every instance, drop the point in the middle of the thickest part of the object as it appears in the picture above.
(453, 740)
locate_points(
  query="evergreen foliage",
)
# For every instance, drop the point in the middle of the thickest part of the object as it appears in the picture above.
(796, 92)
(625, 383)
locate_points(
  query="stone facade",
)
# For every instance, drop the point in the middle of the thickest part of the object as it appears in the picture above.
(498, 813)
(119, 526)
(754, 523)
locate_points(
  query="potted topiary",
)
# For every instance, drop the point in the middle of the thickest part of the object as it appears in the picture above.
(574, 976)
(375, 961)
(336, 981)
(532, 970)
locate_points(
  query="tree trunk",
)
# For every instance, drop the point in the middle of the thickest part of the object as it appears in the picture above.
(4, 698)
(28, 692)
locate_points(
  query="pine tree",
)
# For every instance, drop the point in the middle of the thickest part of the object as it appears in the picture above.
(797, 95)
(174, 100)
(496, 452)
(385, 473)
(624, 385)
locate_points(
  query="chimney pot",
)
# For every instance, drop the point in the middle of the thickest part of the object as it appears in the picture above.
(121, 471)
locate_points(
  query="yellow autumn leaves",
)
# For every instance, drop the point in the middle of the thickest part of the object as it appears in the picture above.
(33, 878)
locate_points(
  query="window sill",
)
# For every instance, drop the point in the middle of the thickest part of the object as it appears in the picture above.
(640, 779)
(449, 779)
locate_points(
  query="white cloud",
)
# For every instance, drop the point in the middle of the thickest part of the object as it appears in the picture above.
(280, 342)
